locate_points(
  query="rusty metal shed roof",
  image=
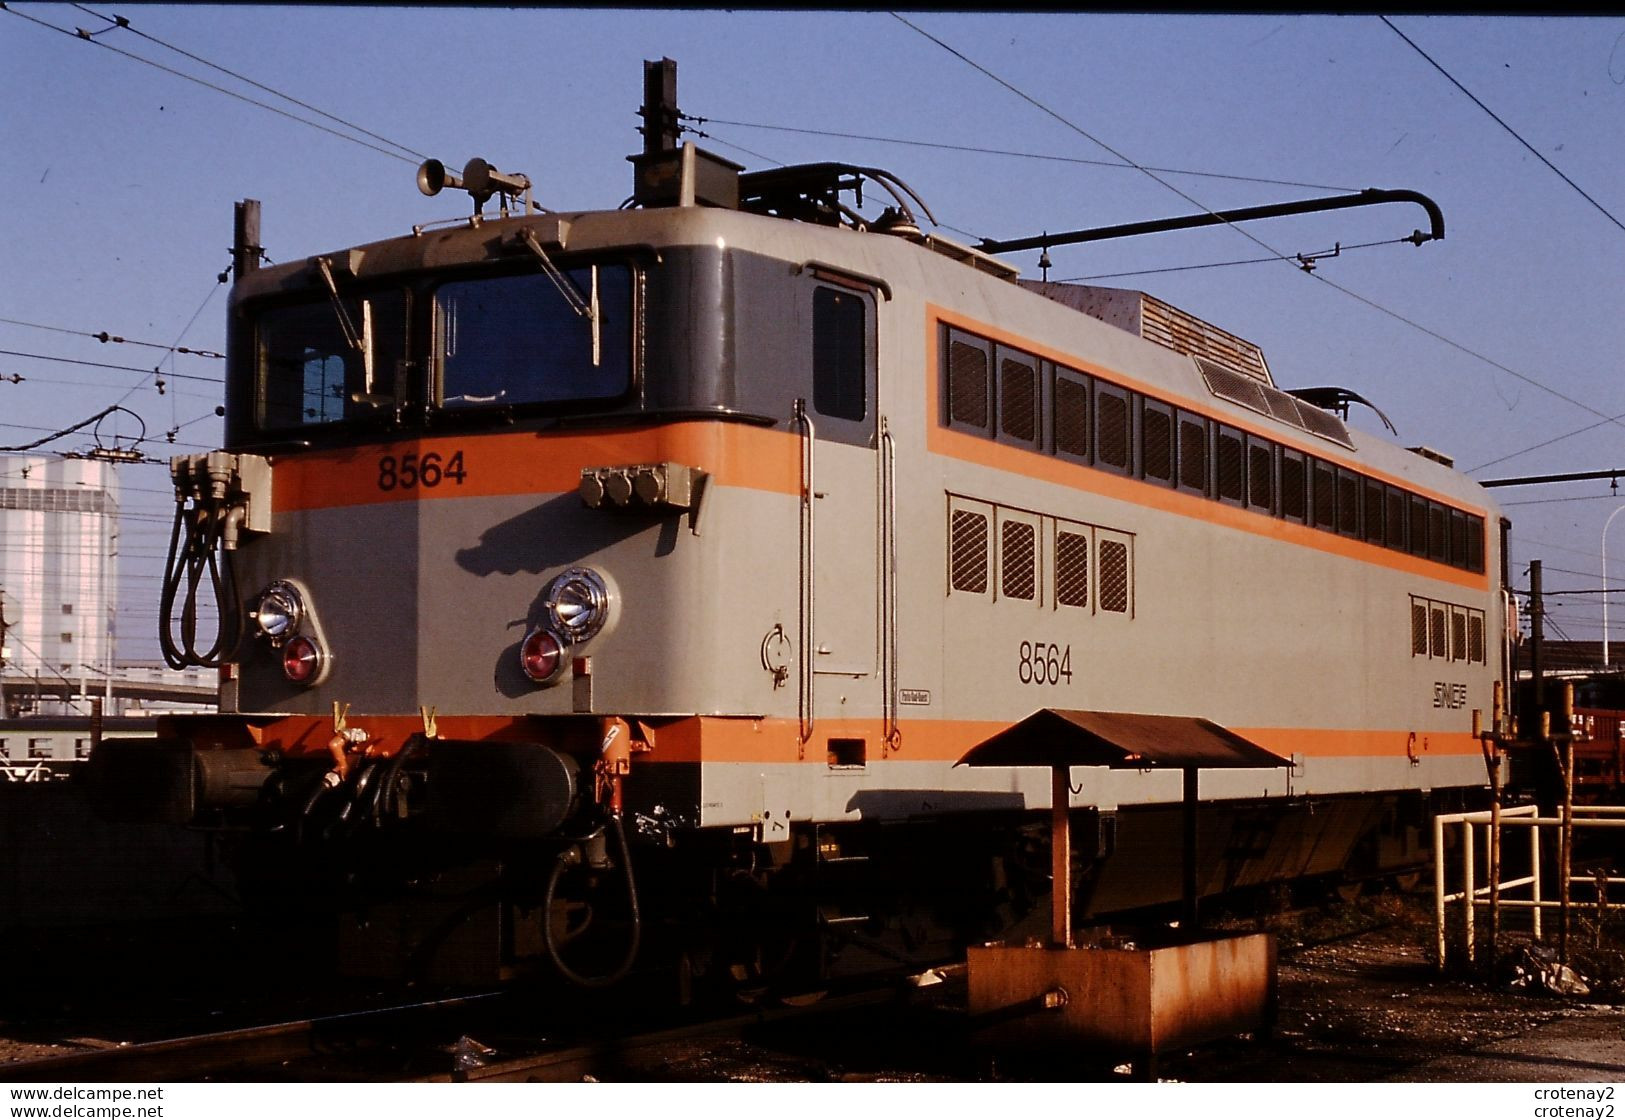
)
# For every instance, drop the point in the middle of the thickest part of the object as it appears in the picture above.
(1121, 740)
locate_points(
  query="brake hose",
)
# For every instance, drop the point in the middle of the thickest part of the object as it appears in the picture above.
(549, 941)
(201, 552)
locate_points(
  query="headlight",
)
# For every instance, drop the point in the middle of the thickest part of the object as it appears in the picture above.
(541, 655)
(578, 604)
(279, 612)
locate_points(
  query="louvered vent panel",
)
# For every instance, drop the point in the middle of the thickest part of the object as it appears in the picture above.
(1238, 388)
(1018, 563)
(1322, 423)
(1376, 503)
(1177, 330)
(1348, 503)
(1018, 400)
(1294, 494)
(1192, 454)
(1231, 467)
(1437, 632)
(1114, 430)
(1396, 518)
(1071, 569)
(1325, 494)
(1419, 526)
(967, 385)
(1260, 477)
(1114, 577)
(1157, 444)
(1419, 629)
(1283, 406)
(1071, 417)
(1458, 635)
(1232, 386)
(1438, 532)
(968, 552)
(1475, 639)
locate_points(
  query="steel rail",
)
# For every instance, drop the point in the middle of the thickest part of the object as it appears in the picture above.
(613, 1055)
(191, 1057)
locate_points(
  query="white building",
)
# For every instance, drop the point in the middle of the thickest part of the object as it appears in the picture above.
(58, 567)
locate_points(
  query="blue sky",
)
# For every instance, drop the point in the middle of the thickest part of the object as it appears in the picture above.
(117, 189)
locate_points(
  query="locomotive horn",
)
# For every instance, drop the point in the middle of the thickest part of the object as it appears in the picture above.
(434, 178)
(481, 179)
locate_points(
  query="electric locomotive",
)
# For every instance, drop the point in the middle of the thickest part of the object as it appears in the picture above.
(664, 560)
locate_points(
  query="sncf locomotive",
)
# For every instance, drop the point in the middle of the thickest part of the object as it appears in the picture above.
(628, 578)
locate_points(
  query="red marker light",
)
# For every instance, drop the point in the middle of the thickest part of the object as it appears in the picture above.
(541, 655)
(302, 660)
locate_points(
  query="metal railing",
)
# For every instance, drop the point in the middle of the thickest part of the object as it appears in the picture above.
(1491, 894)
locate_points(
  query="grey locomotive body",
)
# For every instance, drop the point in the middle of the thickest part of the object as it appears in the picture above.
(726, 535)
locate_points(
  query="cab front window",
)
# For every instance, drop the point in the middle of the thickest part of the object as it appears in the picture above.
(535, 338)
(316, 367)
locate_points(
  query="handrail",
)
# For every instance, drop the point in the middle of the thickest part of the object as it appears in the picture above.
(807, 603)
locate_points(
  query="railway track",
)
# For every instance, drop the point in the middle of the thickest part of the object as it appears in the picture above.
(433, 1041)
(445, 1040)
(632, 1055)
(259, 1049)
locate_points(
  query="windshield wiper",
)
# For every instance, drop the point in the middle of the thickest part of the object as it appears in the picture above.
(359, 341)
(585, 305)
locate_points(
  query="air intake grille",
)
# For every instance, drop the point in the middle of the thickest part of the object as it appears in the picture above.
(967, 385)
(1018, 400)
(1157, 442)
(1071, 569)
(1114, 576)
(1250, 393)
(1018, 564)
(1071, 417)
(1116, 437)
(1319, 422)
(968, 561)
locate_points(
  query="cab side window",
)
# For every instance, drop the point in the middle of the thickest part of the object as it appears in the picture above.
(840, 349)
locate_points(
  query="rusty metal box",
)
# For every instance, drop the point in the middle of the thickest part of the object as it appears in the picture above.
(1124, 1001)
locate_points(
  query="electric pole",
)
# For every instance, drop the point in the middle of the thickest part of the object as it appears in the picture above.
(4, 711)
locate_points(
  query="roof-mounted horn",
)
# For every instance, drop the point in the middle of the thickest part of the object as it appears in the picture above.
(479, 179)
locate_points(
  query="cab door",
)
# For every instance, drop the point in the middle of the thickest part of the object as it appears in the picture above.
(846, 604)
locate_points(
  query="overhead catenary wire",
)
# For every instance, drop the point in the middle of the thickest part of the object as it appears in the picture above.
(14, 634)
(105, 337)
(108, 365)
(86, 37)
(1534, 546)
(1249, 235)
(38, 380)
(1548, 442)
(1008, 153)
(1510, 130)
(119, 21)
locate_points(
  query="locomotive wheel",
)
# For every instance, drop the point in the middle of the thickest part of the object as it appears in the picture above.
(1406, 882)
